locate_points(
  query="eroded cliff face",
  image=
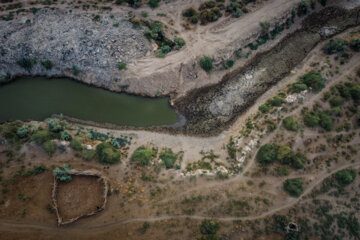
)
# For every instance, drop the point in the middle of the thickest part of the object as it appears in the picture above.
(77, 46)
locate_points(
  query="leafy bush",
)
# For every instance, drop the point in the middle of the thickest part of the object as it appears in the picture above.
(49, 147)
(346, 176)
(267, 153)
(159, 54)
(276, 101)
(228, 64)
(326, 121)
(285, 154)
(210, 15)
(189, 12)
(168, 157)
(336, 101)
(47, 64)
(22, 131)
(298, 87)
(290, 124)
(179, 43)
(165, 49)
(311, 119)
(302, 8)
(355, 44)
(208, 227)
(282, 171)
(142, 156)
(121, 65)
(206, 63)
(153, 3)
(106, 154)
(114, 143)
(36, 170)
(66, 136)
(62, 174)
(207, 5)
(94, 135)
(335, 45)
(76, 144)
(299, 161)
(27, 63)
(264, 108)
(55, 124)
(42, 136)
(294, 186)
(88, 155)
(313, 80)
(265, 26)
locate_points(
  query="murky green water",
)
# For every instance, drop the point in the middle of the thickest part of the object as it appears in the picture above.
(38, 98)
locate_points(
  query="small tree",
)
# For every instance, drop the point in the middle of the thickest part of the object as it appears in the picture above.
(267, 153)
(313, 80)
(206, 64)
(285, 154)
(294, 186)
(290, 124)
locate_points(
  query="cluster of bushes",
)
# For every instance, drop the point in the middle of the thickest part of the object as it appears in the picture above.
(36, 170)
(27, 63)
(318, 118)
(168, 158)
(313, 80)
(338, 45)
(269, 153)
(294, 186)
(107, 154)
(94, 135)
(346, 91)
(166, 45)
(142, 156)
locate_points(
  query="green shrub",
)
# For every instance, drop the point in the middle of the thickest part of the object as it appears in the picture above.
(106, 154)
(75, 71)
(49, 147)
(210, 15)
(237, 13)
(294, 186)
(232, 7)
(282, 171)
(326, 121)
(121, 65)
(284, 154)
(228, 64)
(115, 143)
(313, 80)
(55, 124)
(346, 176)
(336, 101)
(264, 108)
(27, 63)
(142, 156)
(355, 92)
(76, 144)
(88, 155)
(355, 44)
(42, 136)
(302, 8)
(265, 26)
(22, 131)
(36, 170)
(47, 64)
(207, 5)
(290, 124)
(208, 227)
(165, 49)
(267, 153)
(276, 101)
(62, 174)
(189, 12)
(179, 43)
(66, 136)
(336, 111)
(299, 161)
(206, 64)
(335, 45)
(159, 54)
(311, 119)
(153, 3)
(168, 157)
(298, 87)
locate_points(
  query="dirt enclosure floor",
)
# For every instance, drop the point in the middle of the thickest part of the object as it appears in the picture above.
(83, 194)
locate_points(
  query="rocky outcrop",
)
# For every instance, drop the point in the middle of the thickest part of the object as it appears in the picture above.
(78, 46)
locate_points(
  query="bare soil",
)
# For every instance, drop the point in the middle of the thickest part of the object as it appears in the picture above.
(83, 194)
